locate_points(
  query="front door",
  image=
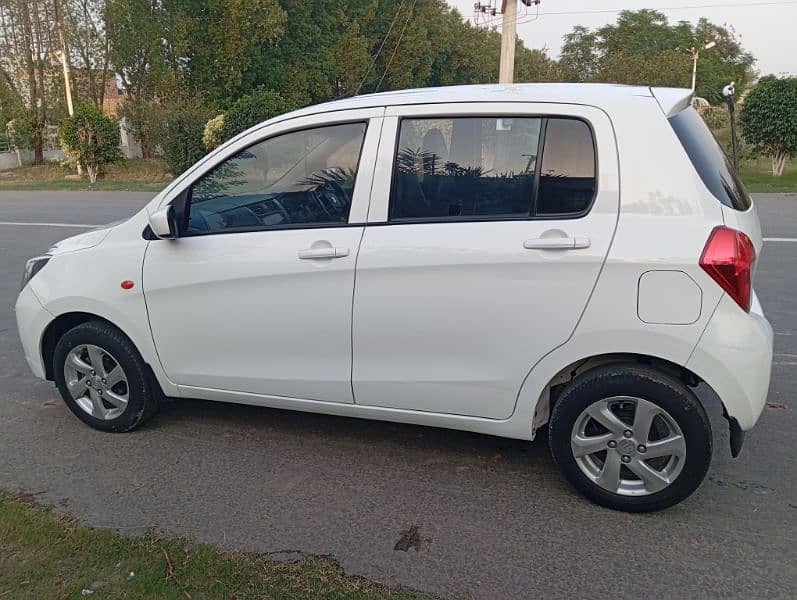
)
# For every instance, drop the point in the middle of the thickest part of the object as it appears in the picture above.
(255, 296)
(494, 226)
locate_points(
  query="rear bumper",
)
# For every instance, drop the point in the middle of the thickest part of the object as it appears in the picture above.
(734, 357)
(32, 319)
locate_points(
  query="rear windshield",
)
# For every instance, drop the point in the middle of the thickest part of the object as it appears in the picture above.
(709, 159)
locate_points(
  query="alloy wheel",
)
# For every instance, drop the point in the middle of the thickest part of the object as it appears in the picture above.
(629, 446)
(96, 381)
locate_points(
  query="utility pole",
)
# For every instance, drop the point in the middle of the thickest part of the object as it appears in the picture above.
(506, 71)
(64, 58)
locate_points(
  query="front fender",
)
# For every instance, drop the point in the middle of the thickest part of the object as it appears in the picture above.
(89, 281)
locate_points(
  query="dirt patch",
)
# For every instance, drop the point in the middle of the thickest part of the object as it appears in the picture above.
(411, 538)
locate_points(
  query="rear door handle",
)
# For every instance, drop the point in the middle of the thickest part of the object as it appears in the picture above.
(323, 252)
(557, 243)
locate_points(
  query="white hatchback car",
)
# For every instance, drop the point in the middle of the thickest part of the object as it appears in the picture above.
(485, 258)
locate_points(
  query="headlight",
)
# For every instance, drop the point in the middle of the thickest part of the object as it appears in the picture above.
(33, 266)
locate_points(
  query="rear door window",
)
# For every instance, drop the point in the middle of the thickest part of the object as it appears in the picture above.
(465, 168)
(492, 168)
(567, 175)
(709, 159)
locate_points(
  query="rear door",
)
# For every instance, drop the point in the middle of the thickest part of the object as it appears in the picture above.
(488, 227)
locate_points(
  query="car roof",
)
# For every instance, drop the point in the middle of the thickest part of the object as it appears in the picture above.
(603, 95)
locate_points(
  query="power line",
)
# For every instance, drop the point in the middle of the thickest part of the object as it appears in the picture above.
(521, 19)
(678, 7)
(398, 43)
(382, 45)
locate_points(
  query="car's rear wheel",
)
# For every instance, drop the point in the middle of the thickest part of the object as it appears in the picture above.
(630, 437)
(102, 377)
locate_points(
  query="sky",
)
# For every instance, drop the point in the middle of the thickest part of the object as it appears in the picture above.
(767, 29)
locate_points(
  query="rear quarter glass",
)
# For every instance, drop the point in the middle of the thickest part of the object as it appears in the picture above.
(709, 159)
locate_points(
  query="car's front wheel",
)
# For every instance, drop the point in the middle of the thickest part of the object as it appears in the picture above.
(630, 438)
(102, 377)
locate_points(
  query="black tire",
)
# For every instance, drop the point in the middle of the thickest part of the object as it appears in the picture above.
(637, 381)
(143, 393)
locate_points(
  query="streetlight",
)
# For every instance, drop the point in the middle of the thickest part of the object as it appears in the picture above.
(695, 52)
(729, 91)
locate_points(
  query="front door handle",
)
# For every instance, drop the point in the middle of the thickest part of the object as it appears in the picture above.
(557, 243)
(323, 252)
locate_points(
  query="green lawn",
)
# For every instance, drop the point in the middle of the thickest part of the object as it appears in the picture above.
(150, 175)
(85, 186)
(757, 176)
(43, 555)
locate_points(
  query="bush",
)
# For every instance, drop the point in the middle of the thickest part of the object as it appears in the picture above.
(21, 128)
(142, 122)
(251, 110)
(768, 119)
(180, 126)
(211, 136)
(91, 138)
(716, 117)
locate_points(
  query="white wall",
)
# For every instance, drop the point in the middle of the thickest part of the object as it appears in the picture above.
(13, 158)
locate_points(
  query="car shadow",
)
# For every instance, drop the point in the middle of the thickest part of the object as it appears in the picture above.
(310, 429)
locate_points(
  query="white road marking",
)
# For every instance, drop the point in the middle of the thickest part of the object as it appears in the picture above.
(29, 224)
(779, 239)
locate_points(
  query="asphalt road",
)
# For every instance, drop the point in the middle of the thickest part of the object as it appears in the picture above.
(489, 517)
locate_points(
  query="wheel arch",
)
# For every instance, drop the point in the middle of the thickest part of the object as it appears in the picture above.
(550, 392)
(56, 329)
(66, 321)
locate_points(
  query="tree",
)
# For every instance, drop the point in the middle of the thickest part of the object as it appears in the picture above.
(644, 33)
(88, 47)
(251, 110)
(669, 68)
(768, 122)
(348, 58)
(579, 56)
(137, 30)
(91, 138)
(179, 126)
(643, 48)
(27, 43)
(214, 44)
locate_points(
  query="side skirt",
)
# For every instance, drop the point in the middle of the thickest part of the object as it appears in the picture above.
(517, 426)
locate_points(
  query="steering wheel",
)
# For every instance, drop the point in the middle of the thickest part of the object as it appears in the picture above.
(333, 197)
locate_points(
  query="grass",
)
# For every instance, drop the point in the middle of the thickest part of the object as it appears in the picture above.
(144, 175)
(757, 176)
(756, 173)
(44, 555)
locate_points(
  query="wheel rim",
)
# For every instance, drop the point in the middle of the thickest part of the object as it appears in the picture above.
(628, 446)
(96, 381)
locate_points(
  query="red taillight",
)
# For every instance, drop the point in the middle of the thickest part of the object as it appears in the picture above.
(728, 258)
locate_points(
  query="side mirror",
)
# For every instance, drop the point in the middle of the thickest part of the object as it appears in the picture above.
(167, 222)
(163, 223)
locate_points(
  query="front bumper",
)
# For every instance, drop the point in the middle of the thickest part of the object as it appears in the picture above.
(32, 319)
(734, 357)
